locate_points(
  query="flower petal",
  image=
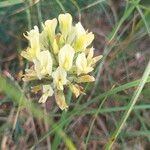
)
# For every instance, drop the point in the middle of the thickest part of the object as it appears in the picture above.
(47, 92)
(33, 37)
(65, 22)
(43, 64)
(86, 78)
(82, 64)
(83, 38)
(60, 100)
(76, 89)
(65, 57)
(50, 27)
(59, 78)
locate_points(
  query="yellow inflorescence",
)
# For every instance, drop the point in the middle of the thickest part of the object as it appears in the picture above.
(60, 60)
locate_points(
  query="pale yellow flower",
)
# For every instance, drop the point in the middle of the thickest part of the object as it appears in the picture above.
(65, 57)
(82, 64)
(43, 64)
(59, 78)
(65, 24)
(92, 60)
(34, 49)
(60, 100)
(85, 78)
(50, 27)
(49, 31)
(47, 92)
(76, 89)
(83, 39)
(60, 60)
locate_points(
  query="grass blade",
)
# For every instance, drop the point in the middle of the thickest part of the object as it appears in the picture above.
(115, 90)
(10, 3)
(92, 4)
(61, 6)
(129, 107)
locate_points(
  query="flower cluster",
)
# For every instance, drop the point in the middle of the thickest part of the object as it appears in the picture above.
(59, 60)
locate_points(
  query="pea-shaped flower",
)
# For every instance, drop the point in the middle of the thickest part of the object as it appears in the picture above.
(65, 21)
(32, 52)
(65, 57)
(60, 78)
(83, 39)
(43, 64)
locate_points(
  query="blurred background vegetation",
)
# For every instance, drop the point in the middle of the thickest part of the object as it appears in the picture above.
(99, 118)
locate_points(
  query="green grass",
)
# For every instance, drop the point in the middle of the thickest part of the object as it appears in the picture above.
(123, 98)
(129, 107)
